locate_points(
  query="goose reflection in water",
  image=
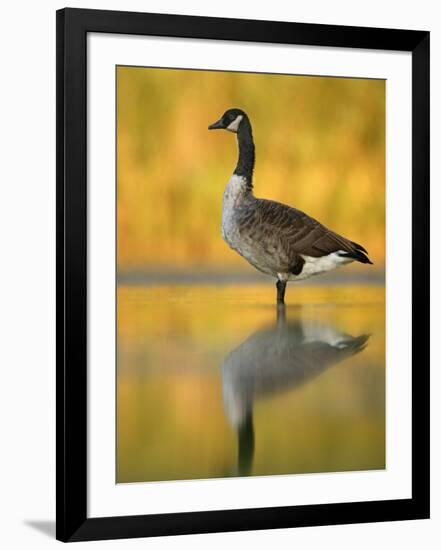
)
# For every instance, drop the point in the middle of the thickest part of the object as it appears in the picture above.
(275, 359)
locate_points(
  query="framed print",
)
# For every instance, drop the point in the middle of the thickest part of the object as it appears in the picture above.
(242, 274)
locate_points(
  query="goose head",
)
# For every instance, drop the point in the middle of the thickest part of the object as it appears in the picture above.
(230, 120)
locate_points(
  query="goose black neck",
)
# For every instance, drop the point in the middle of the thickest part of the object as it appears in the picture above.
(245, 163)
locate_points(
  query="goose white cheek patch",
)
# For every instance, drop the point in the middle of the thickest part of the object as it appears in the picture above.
(235, 124)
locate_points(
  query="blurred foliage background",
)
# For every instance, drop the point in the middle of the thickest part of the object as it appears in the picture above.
(320, 146)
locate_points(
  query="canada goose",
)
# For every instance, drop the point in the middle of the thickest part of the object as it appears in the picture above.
(273, 360)
(276, 239)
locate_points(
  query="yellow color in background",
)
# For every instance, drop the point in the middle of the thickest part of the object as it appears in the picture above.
(172, 411)
(320, 146)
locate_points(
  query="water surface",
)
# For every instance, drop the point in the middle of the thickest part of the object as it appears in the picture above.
(216, 381)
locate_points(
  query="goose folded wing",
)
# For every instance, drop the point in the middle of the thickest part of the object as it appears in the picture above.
(298, 233)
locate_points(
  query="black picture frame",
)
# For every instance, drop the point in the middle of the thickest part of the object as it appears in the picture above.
(71, 425)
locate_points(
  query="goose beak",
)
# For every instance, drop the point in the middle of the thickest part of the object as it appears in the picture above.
(216, 125)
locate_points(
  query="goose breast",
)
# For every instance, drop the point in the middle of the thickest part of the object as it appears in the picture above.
(279, 240)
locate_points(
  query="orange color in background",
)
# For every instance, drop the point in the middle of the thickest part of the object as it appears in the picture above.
(320, 145)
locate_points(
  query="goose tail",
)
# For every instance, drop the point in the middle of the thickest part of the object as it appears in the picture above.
(358, 253)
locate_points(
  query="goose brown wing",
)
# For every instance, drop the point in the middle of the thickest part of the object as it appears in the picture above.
(298, 233)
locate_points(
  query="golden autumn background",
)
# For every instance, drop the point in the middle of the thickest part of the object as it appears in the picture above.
(320, 146)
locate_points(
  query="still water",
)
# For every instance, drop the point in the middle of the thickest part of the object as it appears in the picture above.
(219, 382)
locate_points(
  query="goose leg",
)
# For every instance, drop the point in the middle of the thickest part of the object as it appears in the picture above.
(281, 287)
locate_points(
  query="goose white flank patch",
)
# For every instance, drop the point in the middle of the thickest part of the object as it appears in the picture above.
(276, 239)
